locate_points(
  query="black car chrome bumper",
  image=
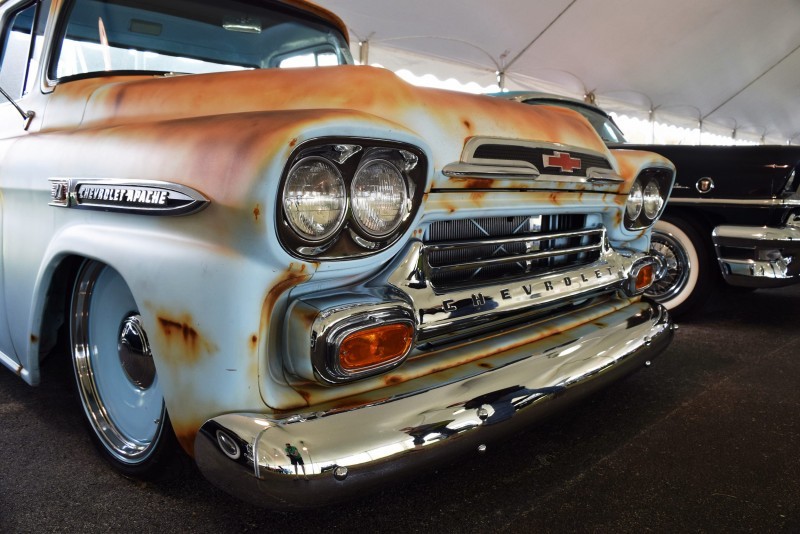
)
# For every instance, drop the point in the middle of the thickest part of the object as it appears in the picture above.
(759, 256)
(346, 451)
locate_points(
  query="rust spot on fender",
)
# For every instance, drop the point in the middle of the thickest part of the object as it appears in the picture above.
(294, 275)
(467, 124)
(34, 338)
(485, 365)
(618, 218)
(293, 142)
(306, 396)
(186, 435)
(170, 327)
(183, 340)
(254, 342)
(257, 211)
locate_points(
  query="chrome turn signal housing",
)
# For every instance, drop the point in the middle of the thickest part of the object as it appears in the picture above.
(642, 275)
(333, 341)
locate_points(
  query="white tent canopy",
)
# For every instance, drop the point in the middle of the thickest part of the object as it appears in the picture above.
(724, 65)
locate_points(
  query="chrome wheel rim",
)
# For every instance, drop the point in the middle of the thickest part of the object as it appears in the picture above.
(113, 365)
(676, 265)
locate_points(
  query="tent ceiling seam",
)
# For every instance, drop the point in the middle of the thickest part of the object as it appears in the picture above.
(743, 89)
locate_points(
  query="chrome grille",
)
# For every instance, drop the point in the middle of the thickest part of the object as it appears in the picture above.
(472, 251)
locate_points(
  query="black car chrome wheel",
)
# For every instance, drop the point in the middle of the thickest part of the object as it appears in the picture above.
(686, 255)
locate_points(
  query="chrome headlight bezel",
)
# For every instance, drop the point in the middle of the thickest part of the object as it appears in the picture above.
(658, 181)
(355, 236)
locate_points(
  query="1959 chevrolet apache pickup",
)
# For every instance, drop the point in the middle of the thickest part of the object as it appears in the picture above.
(314, 271)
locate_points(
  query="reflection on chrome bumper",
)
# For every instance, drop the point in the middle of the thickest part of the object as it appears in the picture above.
(346, 451)
(759, 256)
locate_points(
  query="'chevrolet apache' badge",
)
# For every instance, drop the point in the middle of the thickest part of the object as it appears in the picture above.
(130, 196)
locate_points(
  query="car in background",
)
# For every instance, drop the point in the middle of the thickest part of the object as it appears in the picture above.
(733, 216)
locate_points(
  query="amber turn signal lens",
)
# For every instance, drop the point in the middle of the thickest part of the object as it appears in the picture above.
(645, 278)
(375, 346)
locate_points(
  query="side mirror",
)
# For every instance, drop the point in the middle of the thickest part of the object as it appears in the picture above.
(27, 116)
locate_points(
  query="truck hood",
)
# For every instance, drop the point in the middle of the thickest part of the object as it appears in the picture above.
(442, 118)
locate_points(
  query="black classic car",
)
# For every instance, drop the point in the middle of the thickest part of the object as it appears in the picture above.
(734, 212)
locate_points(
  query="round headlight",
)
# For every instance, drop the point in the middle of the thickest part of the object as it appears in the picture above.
(314, 198)
(635, 201)
(652, 200)
(378, 197)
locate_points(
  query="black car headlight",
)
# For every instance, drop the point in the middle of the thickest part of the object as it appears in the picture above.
(647, 197)
(348, 198)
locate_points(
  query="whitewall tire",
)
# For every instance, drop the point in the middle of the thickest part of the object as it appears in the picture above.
(689, 263)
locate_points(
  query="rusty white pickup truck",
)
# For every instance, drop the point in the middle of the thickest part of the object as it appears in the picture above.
(291, 266)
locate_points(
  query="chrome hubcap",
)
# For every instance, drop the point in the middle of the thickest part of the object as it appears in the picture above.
(675, 266)
(134, 353)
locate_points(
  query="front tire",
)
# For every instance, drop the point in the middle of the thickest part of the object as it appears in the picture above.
(690, 275)
(115, 374)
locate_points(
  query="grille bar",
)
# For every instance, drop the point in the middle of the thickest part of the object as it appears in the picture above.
(515, 259)
(468, 252)
(455, 245)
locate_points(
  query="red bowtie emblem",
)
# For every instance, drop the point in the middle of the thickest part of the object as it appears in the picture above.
(563, 161)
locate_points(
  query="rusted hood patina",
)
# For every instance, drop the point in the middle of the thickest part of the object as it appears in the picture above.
(432, 114)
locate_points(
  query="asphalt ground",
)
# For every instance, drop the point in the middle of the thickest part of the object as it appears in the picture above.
(705, 440)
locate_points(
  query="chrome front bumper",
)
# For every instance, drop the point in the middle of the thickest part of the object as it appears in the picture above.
(759, 256)
(379, 440)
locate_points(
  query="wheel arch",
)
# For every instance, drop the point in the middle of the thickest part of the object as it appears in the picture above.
(49, 329)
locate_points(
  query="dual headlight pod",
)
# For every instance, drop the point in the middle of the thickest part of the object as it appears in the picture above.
(349, 199)
(647, 197)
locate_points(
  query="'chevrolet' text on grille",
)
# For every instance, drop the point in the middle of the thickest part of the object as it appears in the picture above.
(529, 290)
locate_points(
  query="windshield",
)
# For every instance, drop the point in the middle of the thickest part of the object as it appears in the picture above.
(602, 123)
(192, 36)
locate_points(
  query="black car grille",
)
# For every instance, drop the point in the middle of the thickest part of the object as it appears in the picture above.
(467, 252)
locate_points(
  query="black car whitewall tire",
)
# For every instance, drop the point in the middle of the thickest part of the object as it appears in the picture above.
(115, 374)
(689, 275)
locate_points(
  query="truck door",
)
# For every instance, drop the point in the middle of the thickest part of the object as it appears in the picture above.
(21, 42)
